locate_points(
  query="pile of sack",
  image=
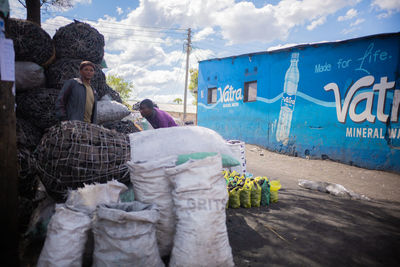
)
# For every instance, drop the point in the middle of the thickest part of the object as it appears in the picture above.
(42, 66)
(178, 212)
(95, 223)
(249, 192)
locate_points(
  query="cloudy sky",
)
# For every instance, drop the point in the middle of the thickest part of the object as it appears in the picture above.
(145, 39)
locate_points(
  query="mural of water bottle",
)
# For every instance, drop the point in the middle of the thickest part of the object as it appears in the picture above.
(288, 101)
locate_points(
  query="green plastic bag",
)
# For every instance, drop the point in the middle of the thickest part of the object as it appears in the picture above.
(275, 186)
(245, 196)
(265, 192)
(234, 198)
(227, 161)
(128, 195)
(145, 125)
(255, 194)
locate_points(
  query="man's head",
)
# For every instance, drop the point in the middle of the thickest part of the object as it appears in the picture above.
(86, 69)
(146, 108)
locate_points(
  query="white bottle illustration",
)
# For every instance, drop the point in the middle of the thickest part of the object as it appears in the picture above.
(288, 101)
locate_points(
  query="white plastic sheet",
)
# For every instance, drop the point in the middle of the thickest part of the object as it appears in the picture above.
(171, 141)
(333, 189)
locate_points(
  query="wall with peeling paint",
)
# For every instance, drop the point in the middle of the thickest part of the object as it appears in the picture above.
(346, 107)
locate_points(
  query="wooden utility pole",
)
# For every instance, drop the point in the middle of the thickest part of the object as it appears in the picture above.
(188, 49)
(8, 160)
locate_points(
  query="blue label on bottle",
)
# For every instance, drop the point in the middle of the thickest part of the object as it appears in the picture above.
(288, 101)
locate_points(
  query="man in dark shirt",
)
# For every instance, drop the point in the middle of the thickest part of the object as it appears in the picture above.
(77, 99)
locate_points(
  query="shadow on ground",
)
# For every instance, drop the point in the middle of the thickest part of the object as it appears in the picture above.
(307, 228)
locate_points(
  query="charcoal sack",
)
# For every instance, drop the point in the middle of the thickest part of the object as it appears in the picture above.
(79, 40)
(31, 42)
(74, 153)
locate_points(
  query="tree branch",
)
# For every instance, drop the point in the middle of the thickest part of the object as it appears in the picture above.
(22, 3)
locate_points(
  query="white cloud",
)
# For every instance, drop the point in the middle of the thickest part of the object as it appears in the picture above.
(349, 30)
(239, 22)
(52, 24)
(82, 2)
(199, 55)
(387, 4)
(316, 23)
(119, 10)
(351, 13)
(203, 34)
(17, 10)
(244, 22)
(358, 21)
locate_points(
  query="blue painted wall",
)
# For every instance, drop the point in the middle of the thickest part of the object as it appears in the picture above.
(346, 107)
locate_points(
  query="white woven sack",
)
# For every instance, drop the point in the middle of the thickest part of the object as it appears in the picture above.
(67, 234)
(110, 111)
(200, 197)
(88, 197)
(150, 185)
(28, 75)
(124, 235)
(171, 141)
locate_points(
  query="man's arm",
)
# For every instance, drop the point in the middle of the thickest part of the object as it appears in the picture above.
(62, 100)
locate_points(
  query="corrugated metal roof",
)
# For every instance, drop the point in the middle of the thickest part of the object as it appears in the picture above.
(177, 108)
(173, 107)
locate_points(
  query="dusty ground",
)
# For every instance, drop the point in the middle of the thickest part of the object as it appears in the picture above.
(378, 185)
(307, 228)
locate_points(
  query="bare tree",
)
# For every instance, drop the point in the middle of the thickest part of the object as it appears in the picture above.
(33, 7)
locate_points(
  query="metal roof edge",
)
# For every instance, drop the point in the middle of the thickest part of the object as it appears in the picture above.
(384, 35)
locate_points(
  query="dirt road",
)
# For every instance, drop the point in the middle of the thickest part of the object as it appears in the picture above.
(377, 185)
(307, 228)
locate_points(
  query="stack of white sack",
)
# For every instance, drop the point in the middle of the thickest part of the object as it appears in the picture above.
(154, 176)
(124, 233)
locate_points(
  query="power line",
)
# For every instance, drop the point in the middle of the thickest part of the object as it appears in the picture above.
(133, 26)
(54, 27)
(103, 31)
(117, 36)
